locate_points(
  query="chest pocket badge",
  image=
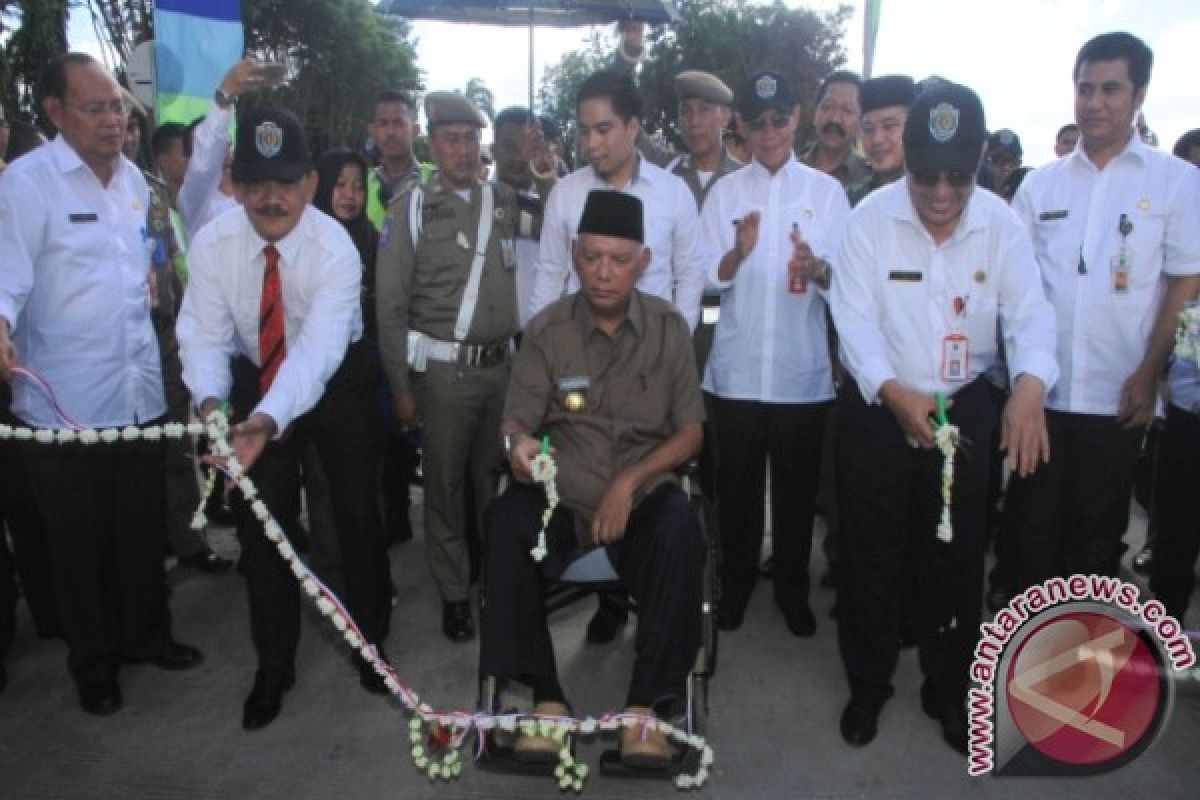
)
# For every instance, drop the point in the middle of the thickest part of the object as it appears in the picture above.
(572, 392)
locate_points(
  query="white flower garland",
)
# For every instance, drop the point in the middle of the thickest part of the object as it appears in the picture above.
(544, 471)
(946, 439)
(1187, 333)
(445, 730)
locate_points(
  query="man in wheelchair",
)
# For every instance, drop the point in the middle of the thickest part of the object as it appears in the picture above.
(608, 375)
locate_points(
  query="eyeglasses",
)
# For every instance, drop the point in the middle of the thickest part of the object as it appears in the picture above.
(955, 177)
(98, 109)
(759, 124)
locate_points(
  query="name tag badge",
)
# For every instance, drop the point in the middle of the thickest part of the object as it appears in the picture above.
(572, 392)
(955, 353)
(906, 276)
(1047, 216)
(75, 218)
(508, 250)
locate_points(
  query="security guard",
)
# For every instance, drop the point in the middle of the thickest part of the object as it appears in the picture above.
(447, 310)
(928, 267)
(705, 110)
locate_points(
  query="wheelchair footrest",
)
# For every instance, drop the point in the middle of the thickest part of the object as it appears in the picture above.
(612, 766)
(500, 757)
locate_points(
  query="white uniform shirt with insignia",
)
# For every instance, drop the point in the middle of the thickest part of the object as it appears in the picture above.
(770, 344)
(1072, 210)
(894, 289)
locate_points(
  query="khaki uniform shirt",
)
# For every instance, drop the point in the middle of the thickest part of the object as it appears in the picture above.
(852, 171)
(684, 169)
(606, 403)
(421, 287)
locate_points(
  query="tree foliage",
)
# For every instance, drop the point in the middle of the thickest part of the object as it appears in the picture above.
(483, 97)
(339, 54)
(38, 34)
(728, 38)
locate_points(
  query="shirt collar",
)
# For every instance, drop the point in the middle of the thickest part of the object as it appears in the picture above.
(635, 317)
(68, 160)
(1134, 148)
(288, 246)
(759, 171)
(900, 206)
(633, 179)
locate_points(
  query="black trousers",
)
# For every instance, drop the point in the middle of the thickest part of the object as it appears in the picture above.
(344, 429)
(103, 508)
(661, 563)
(891, 501)
(28, 561)
(789, 435)
(1075, 509)
(1178, 543)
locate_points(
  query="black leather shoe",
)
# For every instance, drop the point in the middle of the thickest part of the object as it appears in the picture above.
(603, 626)
(951, 716)
(729, 617)
(264, 702)
(1143, 561)
(457, 623)
(206, 561)
(177, 657)
(860, 721)
(800, 621)
(100, 699)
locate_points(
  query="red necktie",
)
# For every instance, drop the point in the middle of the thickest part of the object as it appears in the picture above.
(272, 346)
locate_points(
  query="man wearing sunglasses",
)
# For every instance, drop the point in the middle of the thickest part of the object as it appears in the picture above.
(770, 226)
(927, 268)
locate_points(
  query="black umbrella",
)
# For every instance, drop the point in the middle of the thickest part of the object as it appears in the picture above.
(557, 13)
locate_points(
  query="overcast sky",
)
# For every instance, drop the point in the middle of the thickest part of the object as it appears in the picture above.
(1017, 54)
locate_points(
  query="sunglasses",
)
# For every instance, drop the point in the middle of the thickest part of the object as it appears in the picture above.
(760, 124)
(930, 177)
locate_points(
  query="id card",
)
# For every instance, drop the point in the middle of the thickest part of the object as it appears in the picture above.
(955, 357)
(1119, 267)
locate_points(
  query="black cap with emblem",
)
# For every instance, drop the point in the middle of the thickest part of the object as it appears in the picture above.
(945, 130)
(270, 146)
(764, 91)
(611, 213)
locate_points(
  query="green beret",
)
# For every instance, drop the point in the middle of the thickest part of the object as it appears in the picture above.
(704, 85)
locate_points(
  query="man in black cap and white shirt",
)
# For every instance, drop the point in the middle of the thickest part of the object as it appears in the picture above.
(927, 267)
(769, 371)
(275, 287)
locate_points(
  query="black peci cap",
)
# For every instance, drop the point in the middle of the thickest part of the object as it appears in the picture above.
(270, 146)
(611, 213)
(887, 91)
(945, 130)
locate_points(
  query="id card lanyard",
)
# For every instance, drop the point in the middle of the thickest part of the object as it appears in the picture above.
(955, 345)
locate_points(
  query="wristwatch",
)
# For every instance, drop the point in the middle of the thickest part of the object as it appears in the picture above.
(223, 100)
(510, 441)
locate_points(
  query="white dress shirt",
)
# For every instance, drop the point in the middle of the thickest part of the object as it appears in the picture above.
(74, 271)
(671, 223)
(1072, 211)
(894, 291)
(320, 275)
(771, 344)
(200, 199)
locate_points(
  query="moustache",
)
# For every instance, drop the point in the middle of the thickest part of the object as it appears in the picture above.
(271, 210)
(833, 127)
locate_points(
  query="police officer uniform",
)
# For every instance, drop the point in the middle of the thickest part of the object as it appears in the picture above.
(924, 315)
(708, 87)
(446, 301)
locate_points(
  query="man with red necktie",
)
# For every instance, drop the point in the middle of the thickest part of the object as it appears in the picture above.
(272, 322)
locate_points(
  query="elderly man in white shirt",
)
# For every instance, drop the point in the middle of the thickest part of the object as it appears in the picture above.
(928, 267)
(1115, 226)
(769, 374)
(275, 287)
(609, 110)
(75, 298)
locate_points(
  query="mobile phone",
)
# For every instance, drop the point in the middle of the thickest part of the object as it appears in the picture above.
(268, 76)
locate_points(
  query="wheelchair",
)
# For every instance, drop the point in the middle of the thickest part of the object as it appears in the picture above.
(593, 573)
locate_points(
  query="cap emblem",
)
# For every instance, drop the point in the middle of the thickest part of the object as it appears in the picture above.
(943, 122)
(765, 87)
(268, 139)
